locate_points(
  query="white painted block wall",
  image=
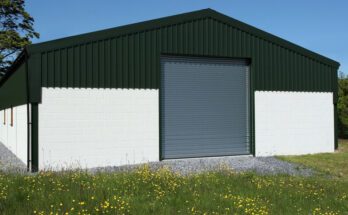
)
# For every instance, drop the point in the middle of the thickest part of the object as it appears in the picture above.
(97, 127)
(293, 123)
(15, 137)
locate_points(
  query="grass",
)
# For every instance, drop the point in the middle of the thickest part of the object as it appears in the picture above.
(143, 191)
(334, 164)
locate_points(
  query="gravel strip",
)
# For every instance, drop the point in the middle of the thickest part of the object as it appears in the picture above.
(9, 162)
(260, 165)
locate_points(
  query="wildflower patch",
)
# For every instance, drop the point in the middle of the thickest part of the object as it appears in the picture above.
(147, 191)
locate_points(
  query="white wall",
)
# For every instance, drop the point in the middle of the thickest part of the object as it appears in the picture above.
(293, 123)
(15, 137)
(97, 127)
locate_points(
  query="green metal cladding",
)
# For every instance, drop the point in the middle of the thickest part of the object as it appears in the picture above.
(13, 92)
(128, 56)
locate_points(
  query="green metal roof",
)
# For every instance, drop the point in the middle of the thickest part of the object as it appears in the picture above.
(172, 20)
(129, 56)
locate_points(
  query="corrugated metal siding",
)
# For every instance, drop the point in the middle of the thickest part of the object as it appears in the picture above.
(14, 91)
(132, 60)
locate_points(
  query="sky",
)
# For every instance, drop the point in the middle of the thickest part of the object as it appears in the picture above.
(318, 25)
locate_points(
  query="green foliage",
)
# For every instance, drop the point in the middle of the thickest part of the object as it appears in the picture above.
(342, 106)
(16, 31)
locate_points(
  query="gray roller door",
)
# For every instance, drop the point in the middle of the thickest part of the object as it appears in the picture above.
(204, 107)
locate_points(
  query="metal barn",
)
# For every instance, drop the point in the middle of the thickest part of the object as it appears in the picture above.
(190, 85)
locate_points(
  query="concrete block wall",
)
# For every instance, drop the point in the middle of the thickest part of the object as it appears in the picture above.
(97, 127)
(293, 123)
(15, 136)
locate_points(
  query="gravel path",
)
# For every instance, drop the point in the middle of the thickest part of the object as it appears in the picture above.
(261, 165)
(9, 161)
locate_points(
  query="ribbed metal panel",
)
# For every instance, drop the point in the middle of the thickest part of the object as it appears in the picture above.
(205, 107)
(14, 91)
(132, 60)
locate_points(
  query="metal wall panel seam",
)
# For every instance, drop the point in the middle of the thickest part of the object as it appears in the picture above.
(215, 38)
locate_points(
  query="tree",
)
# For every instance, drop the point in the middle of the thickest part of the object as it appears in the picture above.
(342, 106)
(16, 31)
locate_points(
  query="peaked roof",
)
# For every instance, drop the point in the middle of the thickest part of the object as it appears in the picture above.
(170, 20)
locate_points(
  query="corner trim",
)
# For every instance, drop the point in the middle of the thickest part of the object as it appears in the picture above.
(34, 137)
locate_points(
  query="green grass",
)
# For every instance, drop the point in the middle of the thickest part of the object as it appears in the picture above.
(143, 191)
(161, 192)
(334, 164)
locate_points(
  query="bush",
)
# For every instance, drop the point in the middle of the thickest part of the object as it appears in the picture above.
(342, 106)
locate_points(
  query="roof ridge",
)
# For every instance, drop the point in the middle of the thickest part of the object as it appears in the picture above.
(34, 47)
(172, 20)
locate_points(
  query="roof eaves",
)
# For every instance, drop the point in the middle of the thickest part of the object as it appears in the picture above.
(20, 58)
(118, 31)
(272, 38)
(172, 20)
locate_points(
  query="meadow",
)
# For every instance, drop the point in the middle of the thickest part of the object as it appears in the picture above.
(144, 191)
(333, 164)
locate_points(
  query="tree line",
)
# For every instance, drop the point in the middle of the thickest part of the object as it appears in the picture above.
(342, 105)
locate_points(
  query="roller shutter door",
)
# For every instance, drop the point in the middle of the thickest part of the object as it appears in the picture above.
(204, 107)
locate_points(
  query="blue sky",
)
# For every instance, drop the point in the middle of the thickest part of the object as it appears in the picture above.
(318, 25)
